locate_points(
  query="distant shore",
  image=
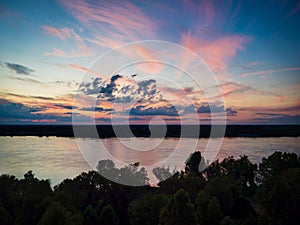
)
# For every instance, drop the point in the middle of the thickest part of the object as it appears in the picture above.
(189, 131)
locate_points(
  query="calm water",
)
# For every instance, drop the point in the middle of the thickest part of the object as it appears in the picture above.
(57, 158)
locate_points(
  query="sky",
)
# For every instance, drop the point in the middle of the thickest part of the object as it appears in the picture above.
(141, 62)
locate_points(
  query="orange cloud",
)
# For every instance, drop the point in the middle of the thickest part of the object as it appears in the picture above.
(82, 68)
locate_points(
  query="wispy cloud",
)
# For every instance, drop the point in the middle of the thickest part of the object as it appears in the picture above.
(112, 22)
(65, 33)
(277, 118)
(263, 72)
(229, 88)
(81, 51)
(216, 52)
(86, 70)
(19, 69)
(26, 79)
(62, 33)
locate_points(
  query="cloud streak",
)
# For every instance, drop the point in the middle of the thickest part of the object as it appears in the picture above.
(110, 22)
(19, 69)
(263, 72)
(80, 51)
(26, 79)
(62, 33)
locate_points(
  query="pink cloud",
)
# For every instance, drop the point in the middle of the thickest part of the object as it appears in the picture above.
(262, 72)
(208, 10)
(217, 52)
(151, 64)
(82, 68)
(122, 21)
(205, 9)
(81, 51)
(62, 33)
(65, 34)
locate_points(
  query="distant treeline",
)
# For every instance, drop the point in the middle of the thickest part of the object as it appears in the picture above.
(231, 192)
(192, 131)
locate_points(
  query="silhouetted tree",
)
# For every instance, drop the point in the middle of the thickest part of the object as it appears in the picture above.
(59, 215)
(240, 170)
(89, 216)
(129, 175)
(163, 173)
(5, 218)
(195, 163)
(108, 216)
(31, 198)
(8, 193)
(224, 189)
(201, 204)
(214, 213)
(147, 209)
(277, 162)
(279, 198)
(179, 210)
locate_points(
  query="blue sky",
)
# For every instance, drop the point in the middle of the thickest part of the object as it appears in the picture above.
(48, 47)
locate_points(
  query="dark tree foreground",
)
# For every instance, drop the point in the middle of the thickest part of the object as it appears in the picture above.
(225, 193)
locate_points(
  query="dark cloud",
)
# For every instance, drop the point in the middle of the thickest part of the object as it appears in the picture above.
(268, 114)
(27, 96)
(19, 69)
(161, 111)
(210, 108)
(277, 118)
(26, 79)
(100, 87)
(11, 112)
(92, 88)
(143, 91)
(230, 111)
(69, 84)
(17, 110)
(98, 109)
(146, 88)
(190, 109)
(65, 106)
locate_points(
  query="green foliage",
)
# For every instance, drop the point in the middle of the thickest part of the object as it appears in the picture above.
(129, 175)
(31, 198)
(201, 204)
(89, 216)
(214, 213)
(277, 162)
(108, 216)
(279, 198)
(240, 170)
(225, 190)
(223, 194)
(146, 210)
(5, 218)
(59, 215)
(179, 210)
(163, 173)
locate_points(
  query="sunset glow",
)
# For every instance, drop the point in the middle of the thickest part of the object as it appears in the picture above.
(48, 48)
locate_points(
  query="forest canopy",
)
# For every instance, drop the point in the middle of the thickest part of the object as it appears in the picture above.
(226, 192)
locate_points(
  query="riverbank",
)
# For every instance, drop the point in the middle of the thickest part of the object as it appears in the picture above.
(108, 131)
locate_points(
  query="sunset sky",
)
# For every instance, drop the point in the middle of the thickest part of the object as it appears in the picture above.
(51, 51)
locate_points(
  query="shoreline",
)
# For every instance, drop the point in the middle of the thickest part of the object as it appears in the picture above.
(155, 131)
